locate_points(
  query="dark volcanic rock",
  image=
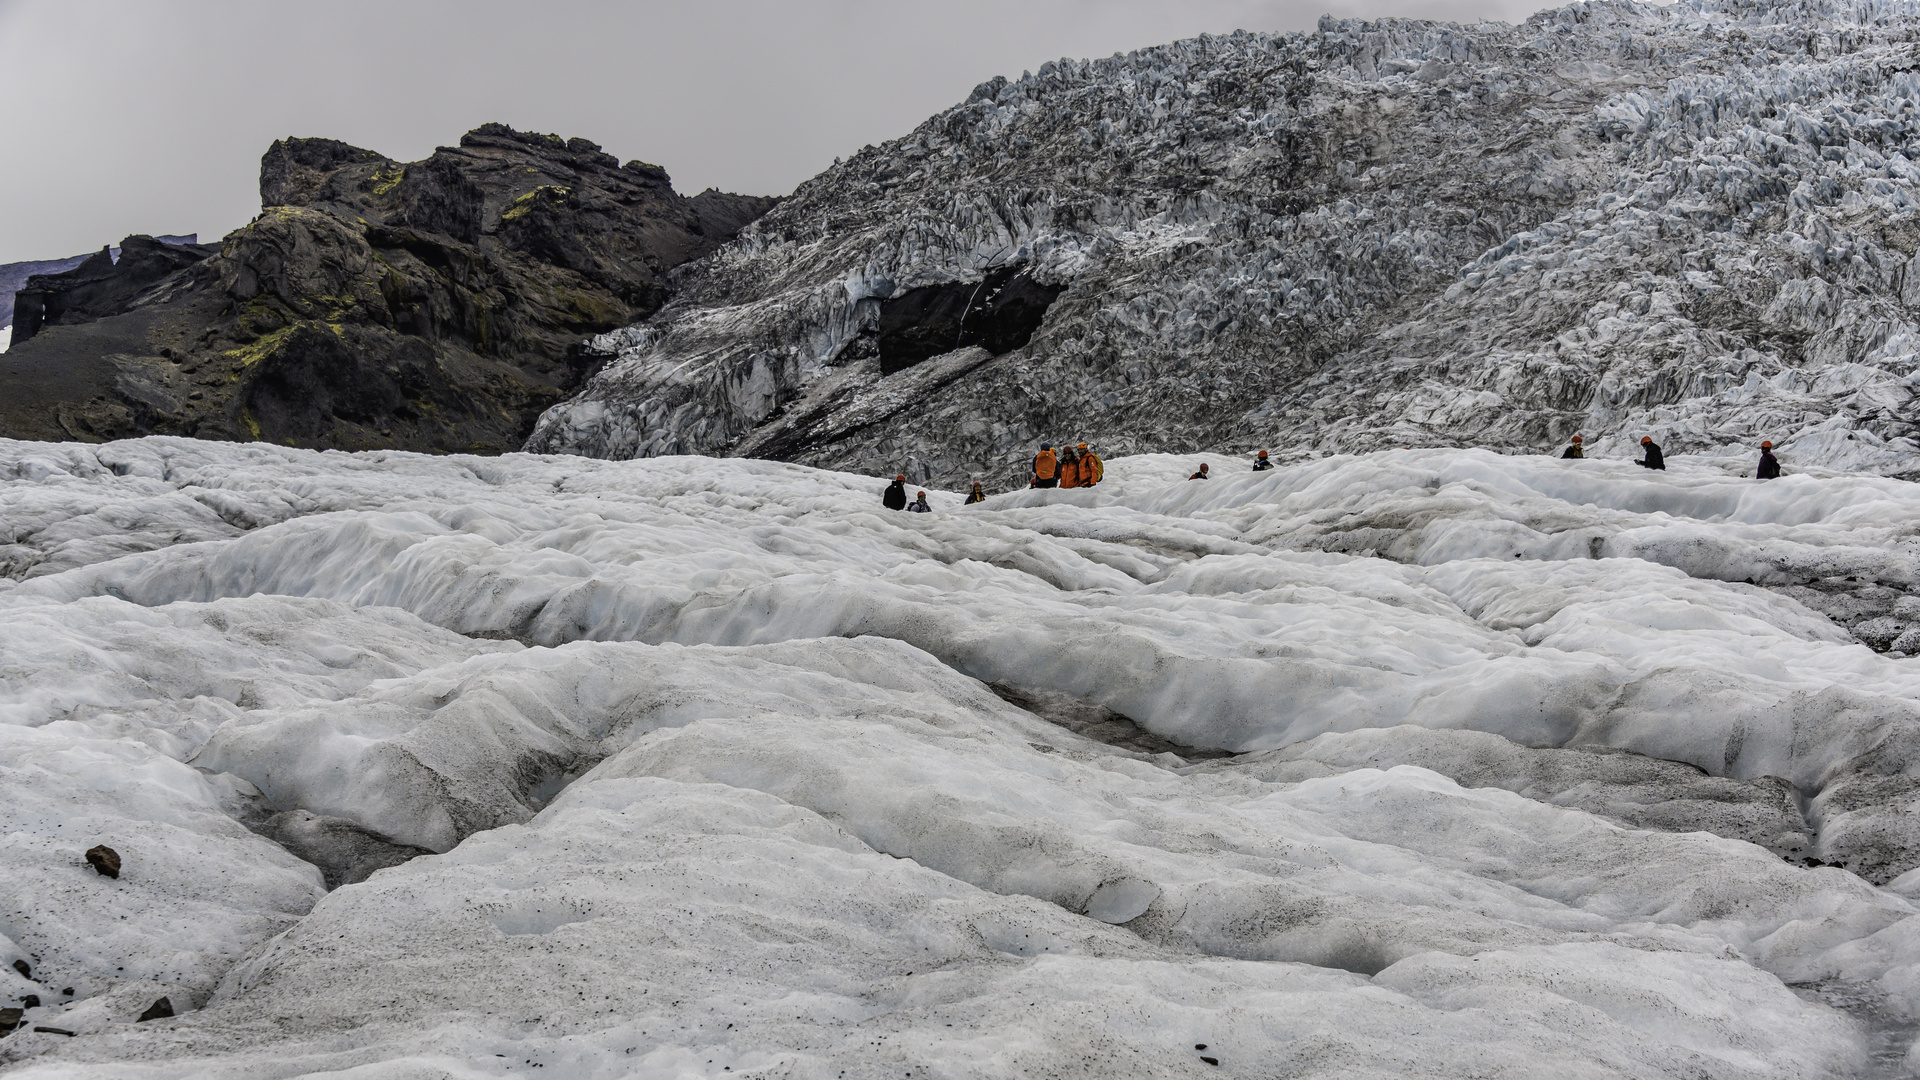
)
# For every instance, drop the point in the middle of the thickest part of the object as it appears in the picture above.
(105, 860)
(13, 276)
(437, 305)
(159, 1010)
(100, 286)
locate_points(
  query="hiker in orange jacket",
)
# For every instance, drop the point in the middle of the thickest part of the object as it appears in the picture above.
(1092, 469)
(1046, 468)
(1072, 474)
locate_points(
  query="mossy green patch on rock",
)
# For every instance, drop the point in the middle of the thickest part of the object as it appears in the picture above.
(385, 180)
(546, 195)
(252, 353)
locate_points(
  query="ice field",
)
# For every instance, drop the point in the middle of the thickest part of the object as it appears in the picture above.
(1431, 762)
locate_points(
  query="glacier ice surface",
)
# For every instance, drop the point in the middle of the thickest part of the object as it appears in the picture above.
(1423, 761)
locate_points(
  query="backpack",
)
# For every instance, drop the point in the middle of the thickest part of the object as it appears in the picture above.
(1045, 465)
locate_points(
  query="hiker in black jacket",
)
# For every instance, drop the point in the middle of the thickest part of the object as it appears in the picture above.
(896, 496)
(1654, 459)
(1769, 465)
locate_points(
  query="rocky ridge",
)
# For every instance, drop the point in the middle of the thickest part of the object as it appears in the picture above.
(436, 305)
(1694, 221)
(13, 276)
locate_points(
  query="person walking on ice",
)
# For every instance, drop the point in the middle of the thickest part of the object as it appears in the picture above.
(976, 495)
(896, 494)
(1654, 459)
(1202, 474)
(1573, 449)
(1261, 463)
(1769, 465)
(920, 505)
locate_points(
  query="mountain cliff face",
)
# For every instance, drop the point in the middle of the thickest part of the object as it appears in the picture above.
(437, 305)
(1695, 221)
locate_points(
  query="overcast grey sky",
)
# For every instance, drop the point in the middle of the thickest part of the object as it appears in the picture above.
(150, 116)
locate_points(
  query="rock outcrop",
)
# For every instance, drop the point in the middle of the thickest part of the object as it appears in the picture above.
(1695, 221)
(105, 283)
(13, 277)
(436, 305)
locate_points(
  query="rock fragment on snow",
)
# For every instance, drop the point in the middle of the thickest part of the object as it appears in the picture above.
(105, 860)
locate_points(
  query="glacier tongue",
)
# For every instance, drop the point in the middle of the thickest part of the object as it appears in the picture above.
(1695, 221)
(1442, 761)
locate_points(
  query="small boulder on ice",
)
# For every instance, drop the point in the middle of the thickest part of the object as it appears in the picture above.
(105, 860)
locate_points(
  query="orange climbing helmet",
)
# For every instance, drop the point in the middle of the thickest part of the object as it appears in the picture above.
(1576, 438)
(1645, 439)
(1767, 445)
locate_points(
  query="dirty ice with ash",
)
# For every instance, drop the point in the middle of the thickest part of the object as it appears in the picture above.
(1425, 762)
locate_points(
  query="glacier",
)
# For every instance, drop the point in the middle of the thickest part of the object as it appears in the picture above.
(1693, 220)
(1418, 761)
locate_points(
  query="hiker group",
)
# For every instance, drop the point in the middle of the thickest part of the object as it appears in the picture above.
(1654, 459)
(1078, 466)
(1073, 467)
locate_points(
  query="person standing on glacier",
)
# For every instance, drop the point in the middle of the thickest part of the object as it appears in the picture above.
(1654, 459)
(1573, 449)
(1092, 469)
(1261, 464)
(1202, 474)
(1046, 467)
(896, 495)
(1071, 475)
(1769, 465)
(920, 505)
(976, 495)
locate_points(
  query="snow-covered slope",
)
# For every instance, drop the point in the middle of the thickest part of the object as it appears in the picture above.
(1694, 220)
(1419, 762)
